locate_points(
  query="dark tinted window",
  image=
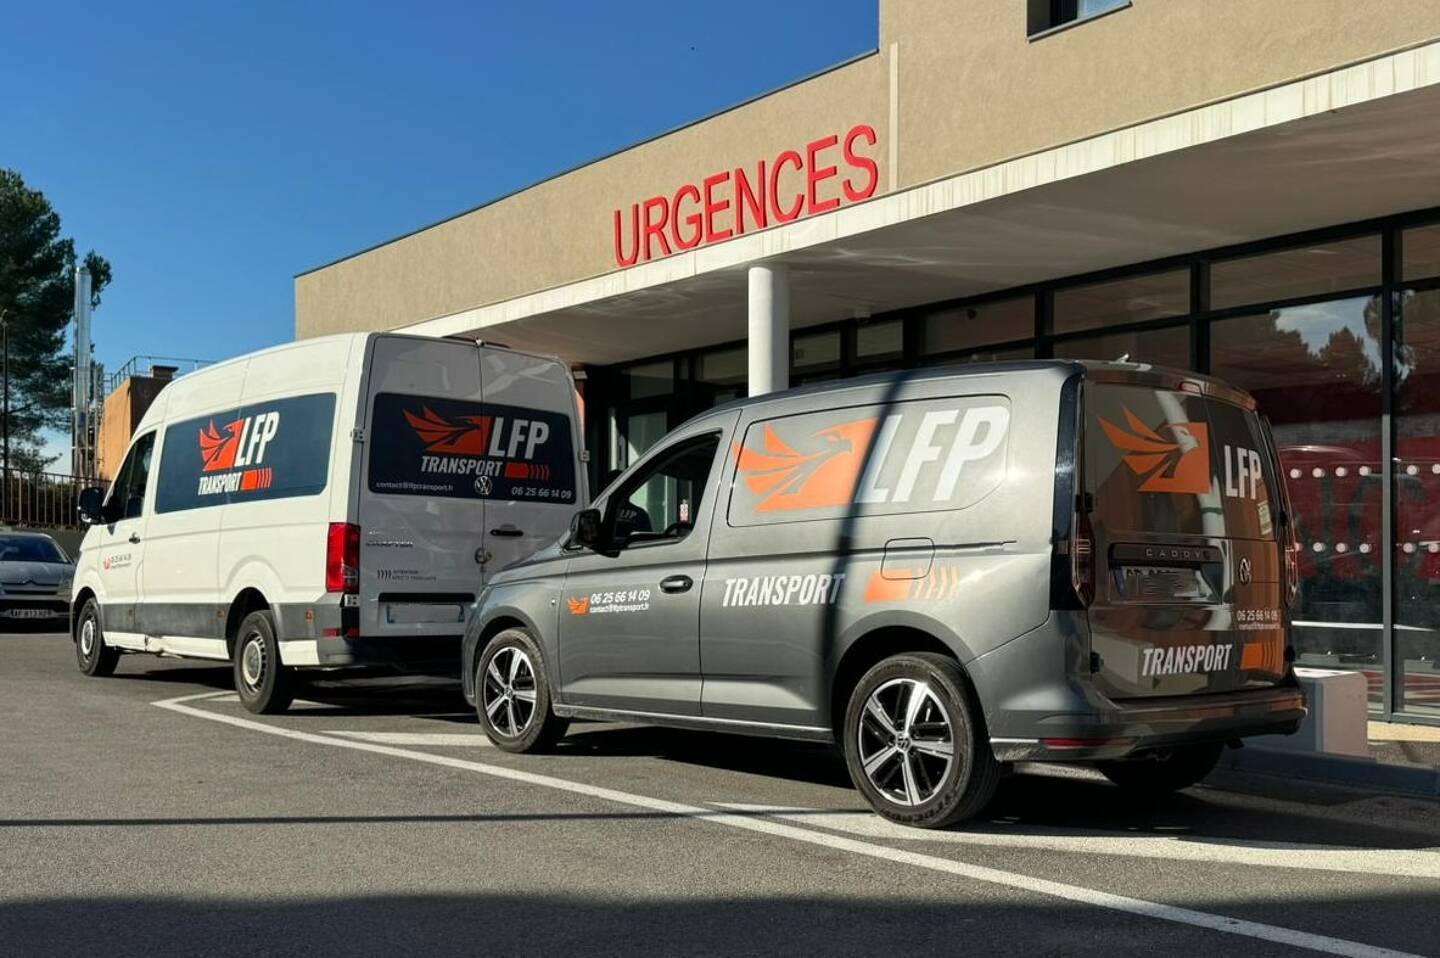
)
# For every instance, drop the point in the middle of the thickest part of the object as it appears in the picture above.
(459, 449)
(30, 549)
(127, 493)
(267, 450)
(1167, 462)
(661, 500)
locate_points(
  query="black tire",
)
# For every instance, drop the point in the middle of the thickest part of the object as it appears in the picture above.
(523, 721)
(942, 796)
(1161, 773)
(94, 657)
(265, 685)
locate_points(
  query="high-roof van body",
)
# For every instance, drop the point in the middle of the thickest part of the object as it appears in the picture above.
(332, 502)
(941, 570)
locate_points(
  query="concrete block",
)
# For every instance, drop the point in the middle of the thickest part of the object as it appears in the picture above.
(1338, 719)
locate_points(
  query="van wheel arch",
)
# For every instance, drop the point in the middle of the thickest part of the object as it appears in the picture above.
(249, 600)
(493, 628)
(78, 604)
(873, 648)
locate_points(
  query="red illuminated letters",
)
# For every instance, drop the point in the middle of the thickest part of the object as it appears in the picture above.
(827, 173)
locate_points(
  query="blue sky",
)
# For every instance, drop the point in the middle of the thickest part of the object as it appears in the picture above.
(211, 151)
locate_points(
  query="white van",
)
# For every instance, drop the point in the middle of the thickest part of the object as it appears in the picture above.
(329, 503)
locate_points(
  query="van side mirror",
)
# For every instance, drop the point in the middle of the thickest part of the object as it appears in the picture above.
(585, 529)
(92, 506)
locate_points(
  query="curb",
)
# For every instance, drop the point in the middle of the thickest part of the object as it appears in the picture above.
(1334, 770)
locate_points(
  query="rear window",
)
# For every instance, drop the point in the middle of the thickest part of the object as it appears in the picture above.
(1175, 463)
(458, 449)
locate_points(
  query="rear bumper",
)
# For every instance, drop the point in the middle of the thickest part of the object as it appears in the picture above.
(433, 655)
(1040, 707)
(1129, 728)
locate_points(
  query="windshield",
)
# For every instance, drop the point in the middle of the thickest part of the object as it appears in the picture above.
(1177, 463)
(30, 549)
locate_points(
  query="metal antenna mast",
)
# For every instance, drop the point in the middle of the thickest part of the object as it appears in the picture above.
(82, 426)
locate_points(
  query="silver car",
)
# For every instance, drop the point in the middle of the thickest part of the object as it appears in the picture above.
(943, 571)
(35, 575)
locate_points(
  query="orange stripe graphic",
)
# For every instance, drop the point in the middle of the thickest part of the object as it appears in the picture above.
(881, 589)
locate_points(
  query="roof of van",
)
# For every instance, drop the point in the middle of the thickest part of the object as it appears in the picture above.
(1120, 370)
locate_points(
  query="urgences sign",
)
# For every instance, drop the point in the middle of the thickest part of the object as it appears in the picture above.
(822, 176)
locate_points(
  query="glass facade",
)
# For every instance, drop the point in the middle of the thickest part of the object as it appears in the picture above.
(1337, 335)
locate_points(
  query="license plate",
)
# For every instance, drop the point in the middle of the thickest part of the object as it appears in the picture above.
(31, 613)
(419, 613)
(1162, 583)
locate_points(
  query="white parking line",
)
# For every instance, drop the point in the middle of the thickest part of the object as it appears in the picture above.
(1399, 863)
(445, 739)
(1086, 896)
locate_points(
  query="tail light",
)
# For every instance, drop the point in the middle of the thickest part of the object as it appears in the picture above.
(1082, 558)
(342, 558)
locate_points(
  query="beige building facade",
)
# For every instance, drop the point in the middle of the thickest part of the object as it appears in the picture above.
(1249, 188)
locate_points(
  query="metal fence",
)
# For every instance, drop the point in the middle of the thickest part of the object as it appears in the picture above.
(41, 499)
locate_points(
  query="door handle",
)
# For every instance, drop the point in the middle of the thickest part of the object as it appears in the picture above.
(507, 532)
(676, 583)
(134, 538)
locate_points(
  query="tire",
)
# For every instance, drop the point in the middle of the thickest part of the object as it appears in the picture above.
(908, 782)
(512, 695)
(265, 685)
(94, 657)
(1164, 772)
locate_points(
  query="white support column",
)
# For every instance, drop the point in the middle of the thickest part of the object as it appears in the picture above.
(769, 349)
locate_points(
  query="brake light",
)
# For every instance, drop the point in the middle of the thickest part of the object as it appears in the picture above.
(1082, 558)
(342, 558)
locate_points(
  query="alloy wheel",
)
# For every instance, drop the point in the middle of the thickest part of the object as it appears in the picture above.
(906, 741)
(508, 692)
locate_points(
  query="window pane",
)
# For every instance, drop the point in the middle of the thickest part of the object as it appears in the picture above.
(880, 341)
(985, 356)
(965, 327)
(722, 376)
(1315, 371)
(651, 379)
(1420, 252)
(1122, 301)
(634, 435)
(816, 350)
(662, 502)
(1417, 499)
(1292, 273)
(1159, 347)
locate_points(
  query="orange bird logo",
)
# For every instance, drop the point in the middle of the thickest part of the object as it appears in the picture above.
(466, 437)
(787, 479)
(579, 605)
(218, 447)
(1180, 465)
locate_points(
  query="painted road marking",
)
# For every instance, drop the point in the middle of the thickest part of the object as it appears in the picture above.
(1323, 944)
(445, 739)
(1400, 863)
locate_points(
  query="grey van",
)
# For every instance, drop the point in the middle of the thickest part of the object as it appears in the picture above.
(944, 571)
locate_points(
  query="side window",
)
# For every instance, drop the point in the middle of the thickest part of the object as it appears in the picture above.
(662, 499)
(127, 492)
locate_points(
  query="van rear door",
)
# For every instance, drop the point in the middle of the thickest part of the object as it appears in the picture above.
(1185, 507)
(532, 404)
(421, 519)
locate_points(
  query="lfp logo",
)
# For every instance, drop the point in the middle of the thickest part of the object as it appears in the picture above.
(226, 451)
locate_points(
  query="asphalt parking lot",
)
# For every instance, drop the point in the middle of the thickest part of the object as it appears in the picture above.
(149, 812)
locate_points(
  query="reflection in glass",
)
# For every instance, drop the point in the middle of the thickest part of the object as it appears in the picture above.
(1417, 498)
(1159, 347)
(1293, 273)
(651, 379)
(721, 376)
(815, 351)
(1315, 371)
(966, 327)
(878, 341)
(1119, 302)
(1420, 253)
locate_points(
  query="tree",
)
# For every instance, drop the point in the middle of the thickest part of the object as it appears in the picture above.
(37, 294)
